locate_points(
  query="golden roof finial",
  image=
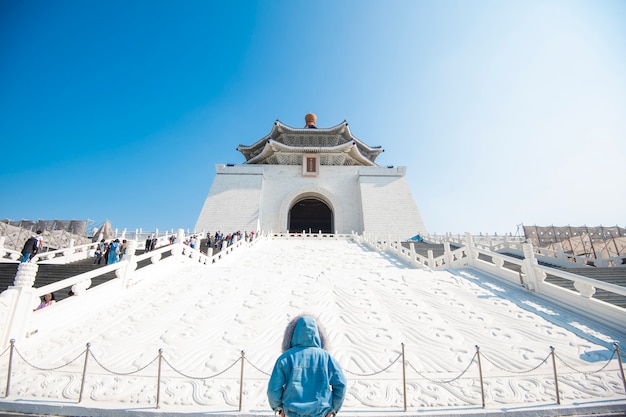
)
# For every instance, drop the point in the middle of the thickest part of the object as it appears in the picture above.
(310, 120)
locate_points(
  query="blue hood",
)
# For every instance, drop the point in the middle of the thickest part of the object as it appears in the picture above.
(306, 333)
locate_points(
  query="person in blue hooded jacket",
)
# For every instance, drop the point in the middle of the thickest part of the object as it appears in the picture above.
(306, 380)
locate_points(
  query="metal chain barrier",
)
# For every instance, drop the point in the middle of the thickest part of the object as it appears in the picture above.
(377, 372)
(447, 381)
(256, 367)
(243, 359)
(516, 372)
(121, 373)
(200, 377)
(586, 372)
(47, 369)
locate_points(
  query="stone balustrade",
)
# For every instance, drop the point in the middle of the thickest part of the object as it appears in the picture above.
(529, 273)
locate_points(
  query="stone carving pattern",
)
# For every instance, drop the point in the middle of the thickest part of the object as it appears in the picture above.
(80, 287)
(26, 273)
(375, 309)
(310, 141)
(586, 290)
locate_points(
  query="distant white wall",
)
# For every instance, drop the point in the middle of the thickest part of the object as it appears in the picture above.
(388, 204)
(234, 200)
(259, 197)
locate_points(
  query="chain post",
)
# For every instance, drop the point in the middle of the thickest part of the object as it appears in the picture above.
(619, 361)
(480, 374)
(158, 395)
(403, 377)
(556, 381)
(6, 393)
(82, 382)
(243, 353)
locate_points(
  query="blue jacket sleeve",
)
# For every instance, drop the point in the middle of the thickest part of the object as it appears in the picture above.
(275, 387)
(338, 382)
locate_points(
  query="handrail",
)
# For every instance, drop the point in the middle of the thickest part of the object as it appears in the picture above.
(68, 282)
(154, 254)
(607, 286)
(461, 257)
(506, 242)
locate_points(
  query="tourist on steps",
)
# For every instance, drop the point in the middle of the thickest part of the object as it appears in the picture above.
(33, 245)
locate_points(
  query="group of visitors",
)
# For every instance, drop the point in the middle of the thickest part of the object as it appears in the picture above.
(111, 252)
(219, 241)
(192, 242)
(151, 243)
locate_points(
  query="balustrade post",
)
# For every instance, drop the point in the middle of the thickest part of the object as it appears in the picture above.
(23, 300)
(179, 248)
(131, 265)
(560, 254)
(6, 392)
(243, 353)
(158, 393)
(472, 254)
(403, 378)
(556, 380)
(480, 374)
(447, 254)
(412, 252)
(532, 276)
(619, 361)
(82, 382)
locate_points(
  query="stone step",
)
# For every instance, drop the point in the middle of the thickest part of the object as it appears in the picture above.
(51, 273)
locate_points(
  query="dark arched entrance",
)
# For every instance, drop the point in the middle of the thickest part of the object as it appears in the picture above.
(311, 215)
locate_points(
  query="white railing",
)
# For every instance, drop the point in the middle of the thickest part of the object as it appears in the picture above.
(306, 235)
(529, 274)
(19, 300)
(513, 245)
(70, 254)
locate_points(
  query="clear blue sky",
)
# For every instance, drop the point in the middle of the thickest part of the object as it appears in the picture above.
(503, 112)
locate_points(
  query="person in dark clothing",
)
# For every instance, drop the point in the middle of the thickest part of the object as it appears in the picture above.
(100, 249)
(31, 247)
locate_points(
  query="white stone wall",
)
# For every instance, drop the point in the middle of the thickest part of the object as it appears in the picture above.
(259, 197)
(388, 205)
(234, 199)
(335, 185)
